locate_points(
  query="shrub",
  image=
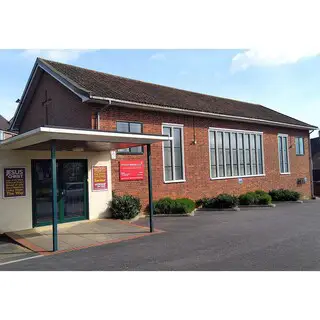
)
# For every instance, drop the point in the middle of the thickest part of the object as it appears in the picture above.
(257, 197)
(248, 198)
(163, 206)
(263, 198)
(187, 204)
(125, 207)
(260, 192)
(171, 206)
(284, 195)
(225, 200)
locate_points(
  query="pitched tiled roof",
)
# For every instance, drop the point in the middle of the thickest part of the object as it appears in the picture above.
(114, 87)
(4, 124)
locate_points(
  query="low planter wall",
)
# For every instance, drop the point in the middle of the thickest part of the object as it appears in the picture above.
(217, 209)
(271, 205)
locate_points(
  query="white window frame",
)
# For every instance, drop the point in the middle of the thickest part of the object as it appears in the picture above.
(212, 129)
(283, 135)
(172, 126)
(1, 135)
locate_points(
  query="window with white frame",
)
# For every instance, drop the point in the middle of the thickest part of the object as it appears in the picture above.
(1, 135)
(235, 153)
(173, 157)
(299, 146)
(283, 153)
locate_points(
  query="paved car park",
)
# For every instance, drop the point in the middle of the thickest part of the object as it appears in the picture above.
(283, 238)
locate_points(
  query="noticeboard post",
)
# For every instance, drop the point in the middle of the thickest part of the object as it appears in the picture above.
(99, 178)
(14, 182)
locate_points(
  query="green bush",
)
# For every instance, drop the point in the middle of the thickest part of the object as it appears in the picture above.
(284, 195)
(222, 201)
(257, 197)
(260, 192)
(248, 198)
(173, 206)
(263, 198)
(125, 207)
(163, 206)
(187, 204)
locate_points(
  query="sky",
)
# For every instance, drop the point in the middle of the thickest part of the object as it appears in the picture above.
(284, 80)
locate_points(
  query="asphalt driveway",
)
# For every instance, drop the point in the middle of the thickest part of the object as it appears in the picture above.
(283, 238)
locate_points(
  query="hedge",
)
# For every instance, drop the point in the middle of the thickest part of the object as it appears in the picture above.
(258, 197)
(222, 201)
(173, 206)
(125, 207)
(284, 195)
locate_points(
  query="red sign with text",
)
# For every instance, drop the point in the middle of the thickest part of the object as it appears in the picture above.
(131, 170)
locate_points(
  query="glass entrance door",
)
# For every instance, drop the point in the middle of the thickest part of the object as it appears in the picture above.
(72, 191)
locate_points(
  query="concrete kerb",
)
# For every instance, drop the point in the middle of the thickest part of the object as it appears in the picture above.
(191, 214)
(271, 205)
(217, 209)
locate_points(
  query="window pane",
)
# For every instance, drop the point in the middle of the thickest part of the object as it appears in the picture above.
(259, 149)
(178, 173)
(167, 131)
(127, 150)
(285, 154)
(168, 174)
(247, 153)
(302, 146)
(177, 137)
(241, 153)
(213, 155)
(135, 127)
(253, 153)
(234, 154)
(228, 153)
(136, 149)
(297, 146)
(178, 157)
(280, 153)
(220, 153)
(122, 126)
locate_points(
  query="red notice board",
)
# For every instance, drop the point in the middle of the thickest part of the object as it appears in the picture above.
(131, 170)
(99, 178)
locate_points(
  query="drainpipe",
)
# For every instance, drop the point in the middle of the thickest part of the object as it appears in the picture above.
(311, 166)
(101, 110)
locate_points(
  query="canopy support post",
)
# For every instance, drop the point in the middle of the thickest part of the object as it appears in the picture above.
(54, 197)
(150, 187)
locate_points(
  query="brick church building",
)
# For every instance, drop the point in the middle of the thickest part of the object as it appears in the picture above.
(217, 145)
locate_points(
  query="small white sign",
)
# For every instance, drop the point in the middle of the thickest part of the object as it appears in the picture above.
(113, 154)
(240, 180)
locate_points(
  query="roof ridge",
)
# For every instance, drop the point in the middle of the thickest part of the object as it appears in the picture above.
(150, 83)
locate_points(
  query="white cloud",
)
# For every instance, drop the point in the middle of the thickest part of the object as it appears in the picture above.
(265, 57)
(58, 55)
(158, 57)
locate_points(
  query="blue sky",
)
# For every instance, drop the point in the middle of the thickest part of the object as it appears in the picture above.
(278, 80)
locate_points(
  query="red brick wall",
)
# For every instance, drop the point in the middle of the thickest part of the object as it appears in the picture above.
(198, 183)
(66, 108)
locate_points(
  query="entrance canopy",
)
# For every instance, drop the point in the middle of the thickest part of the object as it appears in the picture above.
(78, 140)
(68, 139)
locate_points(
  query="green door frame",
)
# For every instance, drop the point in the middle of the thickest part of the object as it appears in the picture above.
(61, 218)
